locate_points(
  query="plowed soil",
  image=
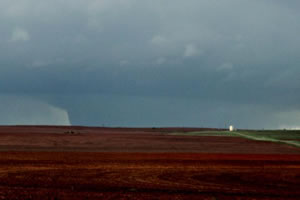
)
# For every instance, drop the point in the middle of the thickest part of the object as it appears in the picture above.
(95, 163)
(42, 175)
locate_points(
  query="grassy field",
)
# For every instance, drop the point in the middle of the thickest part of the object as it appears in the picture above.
(276, 134)
(281, 136)
(290, 137)
(206, 133)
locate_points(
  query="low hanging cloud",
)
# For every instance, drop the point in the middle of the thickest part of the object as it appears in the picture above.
(22, 110)
(114, 110)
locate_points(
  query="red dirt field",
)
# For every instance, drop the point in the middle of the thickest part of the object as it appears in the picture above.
(127, 163)
(87, 139)
(79, 175)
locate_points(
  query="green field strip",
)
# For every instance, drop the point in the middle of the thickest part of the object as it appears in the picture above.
(276, 134)
(267, 139)
(284, 137)
(205, 133)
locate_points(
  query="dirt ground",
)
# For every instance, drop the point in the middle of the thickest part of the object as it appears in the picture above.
(102, 163)
(129, 140)
(81, 175)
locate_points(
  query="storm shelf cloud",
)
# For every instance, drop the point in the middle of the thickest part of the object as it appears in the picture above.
(153, 63)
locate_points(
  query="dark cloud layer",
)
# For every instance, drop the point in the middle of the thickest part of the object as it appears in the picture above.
(219, 62)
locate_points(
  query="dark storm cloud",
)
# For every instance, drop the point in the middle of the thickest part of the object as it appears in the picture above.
(224, 55)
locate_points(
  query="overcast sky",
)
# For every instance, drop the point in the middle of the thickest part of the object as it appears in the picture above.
(207, 63)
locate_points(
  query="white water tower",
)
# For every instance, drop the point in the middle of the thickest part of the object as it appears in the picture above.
(231, 128)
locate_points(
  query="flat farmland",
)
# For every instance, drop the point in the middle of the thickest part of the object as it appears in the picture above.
(131, 140)
(103, 163)
(69, 175)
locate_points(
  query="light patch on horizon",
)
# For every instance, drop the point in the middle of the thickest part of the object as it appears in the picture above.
(288, 127)
(289, 120)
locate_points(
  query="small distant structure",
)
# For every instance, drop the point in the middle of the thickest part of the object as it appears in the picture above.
(231, 128)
